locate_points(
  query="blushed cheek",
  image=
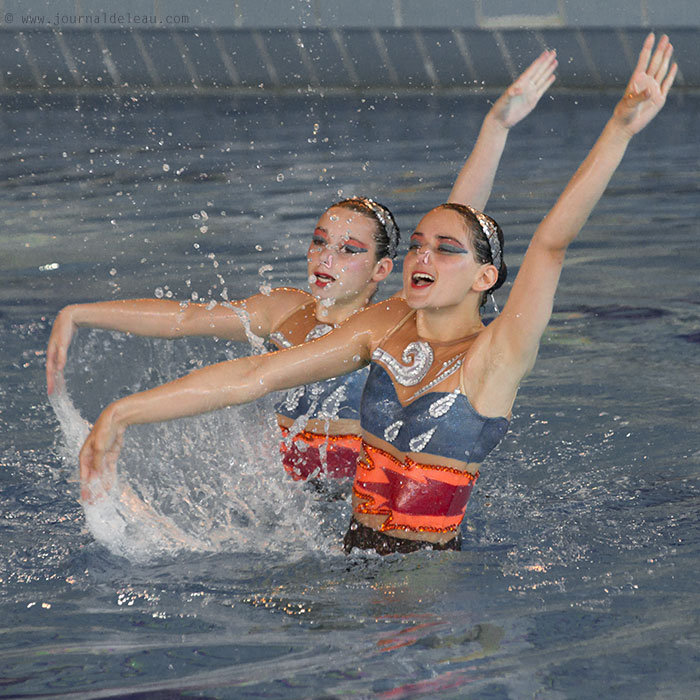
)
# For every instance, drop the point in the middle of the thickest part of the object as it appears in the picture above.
(356, 268)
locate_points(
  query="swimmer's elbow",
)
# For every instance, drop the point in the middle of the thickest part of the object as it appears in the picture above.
(253, 384)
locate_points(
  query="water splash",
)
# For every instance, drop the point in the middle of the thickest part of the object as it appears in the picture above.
(212, 483)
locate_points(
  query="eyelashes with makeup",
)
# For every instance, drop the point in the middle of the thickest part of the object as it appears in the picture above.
(442, 248)
(345, 248)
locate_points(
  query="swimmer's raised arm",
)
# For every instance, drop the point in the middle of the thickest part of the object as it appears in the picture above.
(165, 318)
(516, 333)
(344, 350)
(475, 181)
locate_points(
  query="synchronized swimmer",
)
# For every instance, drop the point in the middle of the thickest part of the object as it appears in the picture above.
(441, 385)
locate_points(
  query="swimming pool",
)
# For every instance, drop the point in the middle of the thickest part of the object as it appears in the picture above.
(578, 576)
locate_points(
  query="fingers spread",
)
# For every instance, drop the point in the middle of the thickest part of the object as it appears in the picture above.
(546, 85)
(645, 53)
(544, 66)
(539, 66)
(658, 56)
(668, 80)
(663, 66)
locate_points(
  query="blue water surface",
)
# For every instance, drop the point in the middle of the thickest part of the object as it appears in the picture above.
(221, 579)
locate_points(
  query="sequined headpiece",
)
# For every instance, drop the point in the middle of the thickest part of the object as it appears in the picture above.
(491, 234)
(385, 218)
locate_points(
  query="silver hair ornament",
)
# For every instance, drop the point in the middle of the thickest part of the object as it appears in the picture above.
(386, 220)
(491, 234)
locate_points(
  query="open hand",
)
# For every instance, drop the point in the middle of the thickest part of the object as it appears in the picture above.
(522, 96)
(646, 91)
(98, 456)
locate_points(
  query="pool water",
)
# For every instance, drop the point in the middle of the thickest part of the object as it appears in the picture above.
(209, 573)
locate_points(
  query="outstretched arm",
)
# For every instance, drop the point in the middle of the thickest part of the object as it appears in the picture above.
(165, 318)
(475, 180)
(230, 383)
(517, 331)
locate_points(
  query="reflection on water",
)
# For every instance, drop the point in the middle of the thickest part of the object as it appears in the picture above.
(206, 570)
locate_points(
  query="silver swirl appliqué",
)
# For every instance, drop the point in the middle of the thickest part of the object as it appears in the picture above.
(417, 359)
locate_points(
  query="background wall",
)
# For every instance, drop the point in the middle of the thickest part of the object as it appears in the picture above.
(330, 44)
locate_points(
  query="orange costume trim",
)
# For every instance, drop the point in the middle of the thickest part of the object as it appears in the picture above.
(312, 454)
(415, 497)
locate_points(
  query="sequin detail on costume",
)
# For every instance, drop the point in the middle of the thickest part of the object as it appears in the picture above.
(291, 400)
(417, 359)
(442, 405)
(448, 369)
(417, 443)
(392, 431)
(318, 331)
(331, 404)
(412, 496)
(306, 454)
(280, 340)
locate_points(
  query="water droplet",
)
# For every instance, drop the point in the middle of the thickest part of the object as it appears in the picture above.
(280, 177)
(158, 291)
(166, 167)
(113, 271)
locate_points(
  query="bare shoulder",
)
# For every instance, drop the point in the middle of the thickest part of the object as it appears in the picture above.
(288, 296)
(382, 317)
(277, 303)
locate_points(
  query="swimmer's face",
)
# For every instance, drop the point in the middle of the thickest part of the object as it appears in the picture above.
(341, 260)
(440, 269)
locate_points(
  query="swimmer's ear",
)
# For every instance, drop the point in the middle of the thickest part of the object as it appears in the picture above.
(486, 278)
(382, 269)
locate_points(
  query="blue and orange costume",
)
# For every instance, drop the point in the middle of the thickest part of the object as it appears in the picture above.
(423, 443)
(320, 422)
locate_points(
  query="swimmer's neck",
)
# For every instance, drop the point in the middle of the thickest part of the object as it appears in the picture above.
(446, 324)
(335, 312)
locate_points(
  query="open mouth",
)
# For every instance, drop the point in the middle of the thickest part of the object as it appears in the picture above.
(320, 279)
(420, 280)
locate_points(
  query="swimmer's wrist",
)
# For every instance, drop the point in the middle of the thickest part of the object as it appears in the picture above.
(124, 412)
(618, 130)
(493, 121)
(76, 314)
